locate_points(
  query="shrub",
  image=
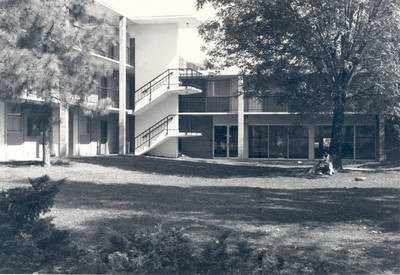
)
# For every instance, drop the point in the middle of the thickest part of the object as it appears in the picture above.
(29, 243)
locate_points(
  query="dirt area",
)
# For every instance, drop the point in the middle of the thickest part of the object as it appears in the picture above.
(350, 220)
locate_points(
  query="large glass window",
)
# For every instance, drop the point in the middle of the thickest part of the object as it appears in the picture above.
(365, 142)
(220, 141)
(322, 140)
(278, 141)
(233, 141)
(298, 142)
(258, 141)
(348, 142)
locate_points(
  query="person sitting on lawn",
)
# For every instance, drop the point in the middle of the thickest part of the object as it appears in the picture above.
(323, 166)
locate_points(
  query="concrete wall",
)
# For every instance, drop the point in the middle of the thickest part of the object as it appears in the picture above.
(156, 50)
(198, 147)
(3, 155)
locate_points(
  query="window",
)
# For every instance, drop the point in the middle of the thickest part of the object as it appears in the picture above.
(14, 118)
(31, 128)
(219, 88)
(365, 142)
(322, 140)
(84, 129)
(348, 142)
(258, 141)
(278, 141)
(298, 142)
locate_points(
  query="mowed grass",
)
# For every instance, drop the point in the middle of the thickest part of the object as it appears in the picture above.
(352, 226)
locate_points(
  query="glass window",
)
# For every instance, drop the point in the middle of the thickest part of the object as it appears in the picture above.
(298, 142)
(365, 142)
(219, 88)
(258, 141)
(31, 128)
(220, 141)
(322, 140)
(278, 141)
(14, 118)
(348, 142)
(84, 126)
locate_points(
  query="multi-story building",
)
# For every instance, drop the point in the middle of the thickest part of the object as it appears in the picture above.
(162, 106)
(233, 125)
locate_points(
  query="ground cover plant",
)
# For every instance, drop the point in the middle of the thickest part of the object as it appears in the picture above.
(142, 215)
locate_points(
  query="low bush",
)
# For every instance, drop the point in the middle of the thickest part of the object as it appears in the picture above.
(29, 243)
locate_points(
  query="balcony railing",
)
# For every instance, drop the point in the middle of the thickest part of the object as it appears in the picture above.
(167, 78)
(225, 104)
(146, 137)
(268, 104)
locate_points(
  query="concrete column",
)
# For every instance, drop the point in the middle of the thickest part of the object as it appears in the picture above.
(3, 145)
(64, 131)
(381, 138)
(75, 132)
(311, 137)
(122, 86)
(240, 118)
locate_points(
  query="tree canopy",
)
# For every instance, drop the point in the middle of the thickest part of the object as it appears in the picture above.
(46, 48)
(330, 56)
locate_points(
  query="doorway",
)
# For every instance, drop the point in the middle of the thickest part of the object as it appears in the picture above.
(103, 137)
(226, 141)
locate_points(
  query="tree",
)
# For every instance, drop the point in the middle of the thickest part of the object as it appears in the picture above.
(328, 56)
(45, 55)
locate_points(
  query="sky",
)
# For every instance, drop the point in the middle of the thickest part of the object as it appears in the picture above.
(139, 8)
(135, 8)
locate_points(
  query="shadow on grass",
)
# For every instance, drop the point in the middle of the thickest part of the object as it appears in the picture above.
(376, 206)
(193, 168)
(205, 212)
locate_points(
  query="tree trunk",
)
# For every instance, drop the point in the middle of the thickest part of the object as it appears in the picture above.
(46, 149)
(337, 131)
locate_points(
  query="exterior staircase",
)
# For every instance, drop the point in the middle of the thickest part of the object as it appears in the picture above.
(166, 128)
(168, 82)
(146, 97)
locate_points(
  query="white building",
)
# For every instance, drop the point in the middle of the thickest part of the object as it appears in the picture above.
(161, 106)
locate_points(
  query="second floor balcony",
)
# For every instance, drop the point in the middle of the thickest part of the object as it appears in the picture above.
(196, 104)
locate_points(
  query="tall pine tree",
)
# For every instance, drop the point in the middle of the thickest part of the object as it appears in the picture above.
(46, 52)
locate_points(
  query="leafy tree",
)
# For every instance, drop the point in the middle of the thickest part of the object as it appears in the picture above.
(46, 54)
(327, 56)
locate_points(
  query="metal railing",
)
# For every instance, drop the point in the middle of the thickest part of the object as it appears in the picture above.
(154, 131)
(224, 104)
(168, 77)
(268, 104)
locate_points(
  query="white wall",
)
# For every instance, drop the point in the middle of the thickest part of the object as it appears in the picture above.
(167, 106)
(156, 50)
(2, 132)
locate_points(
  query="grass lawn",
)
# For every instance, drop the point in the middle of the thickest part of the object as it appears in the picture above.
(352, 226)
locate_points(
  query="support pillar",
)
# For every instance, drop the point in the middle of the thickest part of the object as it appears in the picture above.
(311, 138)
(64, 131)
(240, 118)
(381, 138)
(3, 145)
(75, 132)
(122, 86)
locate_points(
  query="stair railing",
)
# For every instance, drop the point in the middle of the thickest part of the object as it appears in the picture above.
(165, 78)
(154, 131)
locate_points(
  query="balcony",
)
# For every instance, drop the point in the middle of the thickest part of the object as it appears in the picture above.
(271, 104)
(223, 104)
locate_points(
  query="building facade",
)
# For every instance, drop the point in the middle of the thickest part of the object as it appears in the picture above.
(239, 127)
(161, 106)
